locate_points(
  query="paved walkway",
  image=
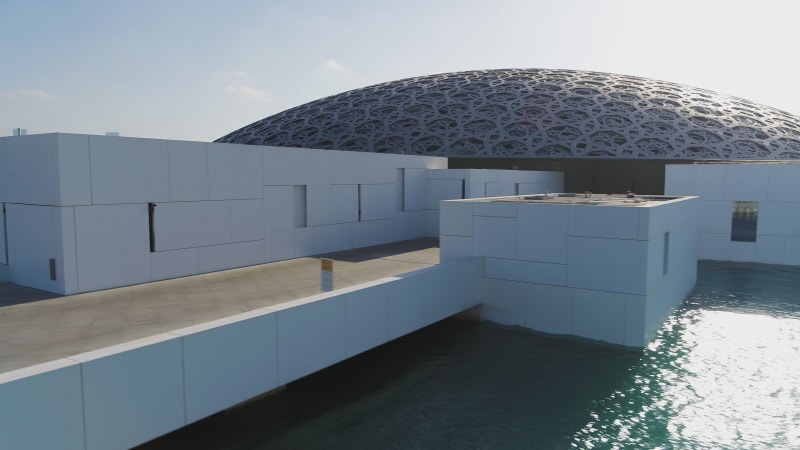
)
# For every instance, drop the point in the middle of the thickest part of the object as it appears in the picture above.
(40, 327)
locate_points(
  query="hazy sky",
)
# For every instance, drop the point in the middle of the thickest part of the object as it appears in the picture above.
(196, 70)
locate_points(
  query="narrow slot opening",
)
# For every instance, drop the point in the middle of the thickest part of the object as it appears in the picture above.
(151, 210)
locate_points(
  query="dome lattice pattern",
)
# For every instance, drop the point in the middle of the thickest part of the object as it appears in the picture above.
(531, 113)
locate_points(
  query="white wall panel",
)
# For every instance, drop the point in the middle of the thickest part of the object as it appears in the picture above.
(654, 263)
(655, 221)
(637, 326)
(311, 337)
(715, 217)
(113, 246)
(599, 315)
(456, 218)
(405, 306)
(316, 240)
(792, 251)
(279, 245)
(784, 182)
(607, 264)
(32, 240)
(372, 232)
(320, 169)
(377, 201)
(318, 204)
(771, 250)
(367, 318)
(415, 185)
(439, 190)
(129, 170)
(41, 407)
(499, 189)
(504, 301)
(365, 168)
(746, 182)
(778, 219)
(412, 224)
(680, 179)
(541, 234)
(192, 224)
(228, 361)
(247, 220)
(525, 271)
(288, 166)
(742, 251)
(495, 236)
(132, 392)
(279, 208)
(74, 173)
(229, 256)
(235, 172)
(495, 209)
(455, 247)
(344, 203)
(549, 309)
(456, 286)
(188, 171)
(612, 222)
(711, 182)
(714, 246)
(32, 169)
(67, 259)
(173, 264)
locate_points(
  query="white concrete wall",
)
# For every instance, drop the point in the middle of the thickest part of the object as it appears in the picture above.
(219, 206)
(590, 271)
(773, 186)
(124, 395)
(479, 183)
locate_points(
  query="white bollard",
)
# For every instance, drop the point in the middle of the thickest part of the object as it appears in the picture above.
(326, 275)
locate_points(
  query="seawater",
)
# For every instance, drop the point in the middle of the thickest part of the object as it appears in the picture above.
(722, 373)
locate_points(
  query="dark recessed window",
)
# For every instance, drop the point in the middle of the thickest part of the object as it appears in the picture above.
(744, 222)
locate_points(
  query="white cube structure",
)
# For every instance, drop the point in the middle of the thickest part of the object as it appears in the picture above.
(768, 195)
(609, 268)
(83, 213)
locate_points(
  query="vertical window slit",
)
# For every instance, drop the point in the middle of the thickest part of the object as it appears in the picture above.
(151, 209)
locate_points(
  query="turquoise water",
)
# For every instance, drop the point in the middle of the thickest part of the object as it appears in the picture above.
(723, 373)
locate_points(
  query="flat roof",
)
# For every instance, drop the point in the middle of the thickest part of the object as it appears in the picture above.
(38, 327)
(589, 198)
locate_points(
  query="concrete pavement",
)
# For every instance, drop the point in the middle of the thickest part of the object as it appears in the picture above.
(38, 326)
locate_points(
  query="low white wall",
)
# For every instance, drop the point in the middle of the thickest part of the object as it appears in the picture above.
(590, 271)
(124, 395)
(774, 186)
(83, 201)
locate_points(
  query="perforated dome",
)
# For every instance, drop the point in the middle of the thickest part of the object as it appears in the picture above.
(530, 113)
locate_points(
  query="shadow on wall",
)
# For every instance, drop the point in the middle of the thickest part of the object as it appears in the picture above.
(598, 176)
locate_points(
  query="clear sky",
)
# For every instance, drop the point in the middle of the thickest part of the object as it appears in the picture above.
(196, 70)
